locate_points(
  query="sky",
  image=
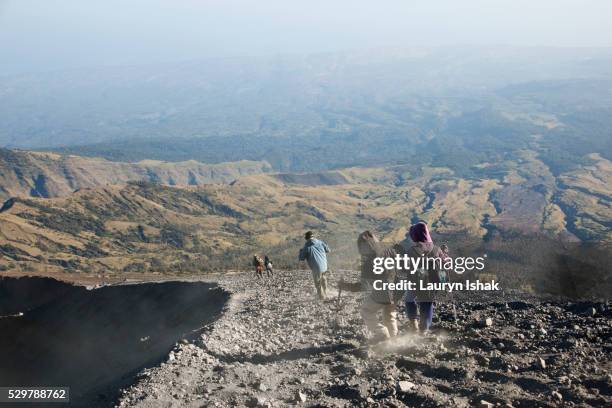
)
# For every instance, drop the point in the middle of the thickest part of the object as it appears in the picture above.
(42, 35)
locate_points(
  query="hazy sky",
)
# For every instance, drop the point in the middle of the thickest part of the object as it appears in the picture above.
(50, 34)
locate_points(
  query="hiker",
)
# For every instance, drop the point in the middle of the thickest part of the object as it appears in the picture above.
(383, 301)
(420, 304)
(258, 263)
(268, 265)
(315, 253)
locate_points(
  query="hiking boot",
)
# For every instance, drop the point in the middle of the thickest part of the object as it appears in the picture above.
(413, 326)
(425, 332)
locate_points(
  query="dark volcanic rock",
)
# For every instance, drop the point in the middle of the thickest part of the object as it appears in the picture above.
(313, 353)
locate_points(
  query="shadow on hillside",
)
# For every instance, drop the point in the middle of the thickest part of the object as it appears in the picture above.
(96, 341)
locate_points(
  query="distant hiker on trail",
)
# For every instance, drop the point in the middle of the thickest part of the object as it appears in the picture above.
(315, 253)
(258, 263)
(378, 300)
(268, 265)
(418, 243)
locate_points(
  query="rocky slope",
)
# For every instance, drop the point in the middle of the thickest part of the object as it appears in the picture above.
(36, 174)
(276, 346)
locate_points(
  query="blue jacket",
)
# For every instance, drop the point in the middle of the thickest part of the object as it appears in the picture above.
(315, 253)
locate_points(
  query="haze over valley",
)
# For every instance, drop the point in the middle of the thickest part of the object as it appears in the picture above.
(189, 167)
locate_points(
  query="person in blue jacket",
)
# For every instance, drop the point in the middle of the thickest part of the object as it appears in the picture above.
(315, 253)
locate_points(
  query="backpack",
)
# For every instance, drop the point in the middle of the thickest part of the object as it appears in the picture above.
(434, 275)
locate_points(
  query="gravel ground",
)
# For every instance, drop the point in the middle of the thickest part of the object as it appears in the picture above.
(275, 346)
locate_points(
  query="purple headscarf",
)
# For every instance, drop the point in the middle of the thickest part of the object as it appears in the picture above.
(420, 233)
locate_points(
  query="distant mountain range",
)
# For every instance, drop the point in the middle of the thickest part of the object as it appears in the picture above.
(37, 174)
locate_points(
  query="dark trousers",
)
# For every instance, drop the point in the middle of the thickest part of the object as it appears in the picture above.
(425, 316)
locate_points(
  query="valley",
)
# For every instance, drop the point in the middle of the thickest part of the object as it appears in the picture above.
(207, 162)
(145, 229)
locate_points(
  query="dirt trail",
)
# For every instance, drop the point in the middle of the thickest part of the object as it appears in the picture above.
(276, 346)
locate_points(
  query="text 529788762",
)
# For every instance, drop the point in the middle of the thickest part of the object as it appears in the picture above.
(34, 394)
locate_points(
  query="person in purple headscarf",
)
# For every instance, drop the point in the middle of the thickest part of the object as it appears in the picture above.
(419, 306)
(420, 233)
